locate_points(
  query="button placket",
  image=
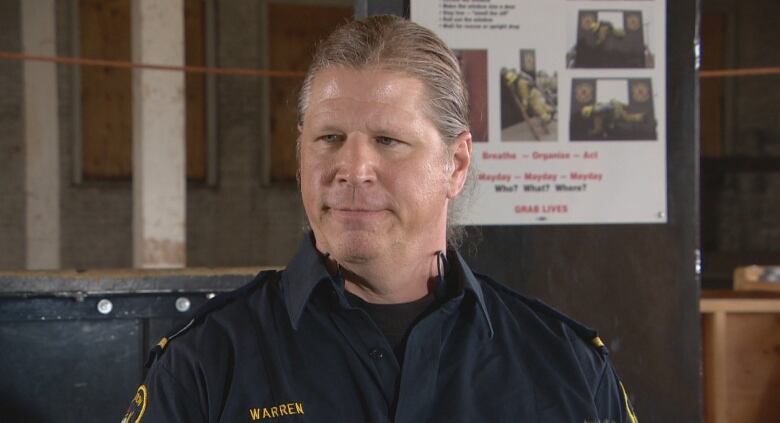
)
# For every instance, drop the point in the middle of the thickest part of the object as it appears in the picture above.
(368, 341)
(376, 354)
(421, 368)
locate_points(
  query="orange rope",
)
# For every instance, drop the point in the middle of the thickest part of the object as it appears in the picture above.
(715, 73)
(130, 65)
(724, 73)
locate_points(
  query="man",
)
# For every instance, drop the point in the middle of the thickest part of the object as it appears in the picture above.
(374, 320)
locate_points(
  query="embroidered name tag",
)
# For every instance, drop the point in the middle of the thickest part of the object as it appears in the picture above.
(281, 410)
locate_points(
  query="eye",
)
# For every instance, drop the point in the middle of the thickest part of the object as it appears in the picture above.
(330, 138)
(387, 141)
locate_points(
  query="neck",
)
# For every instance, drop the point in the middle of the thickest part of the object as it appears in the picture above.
(390, 280)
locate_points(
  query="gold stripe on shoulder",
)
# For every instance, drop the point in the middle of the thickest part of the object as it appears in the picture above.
(597, 342)
(163, 342)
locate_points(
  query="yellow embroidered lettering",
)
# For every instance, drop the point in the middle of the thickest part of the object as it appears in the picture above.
(281, 410)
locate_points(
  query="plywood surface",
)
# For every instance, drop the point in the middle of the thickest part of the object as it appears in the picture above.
(293, 31)
(106, 95)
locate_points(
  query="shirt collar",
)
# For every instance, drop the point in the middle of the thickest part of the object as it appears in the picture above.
(307, 269)
(471, 284)
(304, 272)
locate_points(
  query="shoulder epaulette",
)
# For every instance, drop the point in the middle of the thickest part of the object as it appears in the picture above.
(587, 334)
(211, 305)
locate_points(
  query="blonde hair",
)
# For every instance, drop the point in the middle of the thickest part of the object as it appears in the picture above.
(396, 44)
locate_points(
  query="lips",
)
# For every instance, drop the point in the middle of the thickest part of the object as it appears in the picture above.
(355, 210)
(356, 213)
(355, 202)
(350, 211)
(350, 218)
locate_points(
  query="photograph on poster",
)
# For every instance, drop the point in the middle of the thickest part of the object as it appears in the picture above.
(473, 66)
(529, 101)
(609, 39)
(612, 109)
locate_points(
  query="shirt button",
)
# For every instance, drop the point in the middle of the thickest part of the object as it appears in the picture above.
(376, 354)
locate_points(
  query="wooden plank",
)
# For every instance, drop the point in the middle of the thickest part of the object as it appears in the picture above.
(731, 294)
(714, 365)
(106, 115)
(195, 86)
(753, 367)
(741, 305)
(293, 32)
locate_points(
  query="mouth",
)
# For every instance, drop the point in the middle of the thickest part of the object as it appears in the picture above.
(355, 213)
(353, 210)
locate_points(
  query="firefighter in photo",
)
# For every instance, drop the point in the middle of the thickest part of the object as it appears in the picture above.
(602, 30)
(610, 118)
(532, 97)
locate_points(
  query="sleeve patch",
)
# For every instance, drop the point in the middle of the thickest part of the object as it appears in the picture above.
(137, 406)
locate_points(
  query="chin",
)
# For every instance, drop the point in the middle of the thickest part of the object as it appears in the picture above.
(355, 246)
(352, 246)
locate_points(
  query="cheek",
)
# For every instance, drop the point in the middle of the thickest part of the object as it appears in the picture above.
(310, 175)
(423, 184)
(316, 167)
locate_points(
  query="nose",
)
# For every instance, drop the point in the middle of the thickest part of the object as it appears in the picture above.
(356, 161)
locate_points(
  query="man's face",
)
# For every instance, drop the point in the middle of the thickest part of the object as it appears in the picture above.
(375, 174)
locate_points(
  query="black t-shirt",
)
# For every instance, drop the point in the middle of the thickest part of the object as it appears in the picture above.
(394, 320)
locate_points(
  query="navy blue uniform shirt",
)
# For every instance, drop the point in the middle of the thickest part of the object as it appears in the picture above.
(289, 347)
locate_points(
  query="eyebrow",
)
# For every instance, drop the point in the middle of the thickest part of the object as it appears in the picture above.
(390, 126)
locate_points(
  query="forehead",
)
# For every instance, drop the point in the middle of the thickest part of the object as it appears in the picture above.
(385, 92)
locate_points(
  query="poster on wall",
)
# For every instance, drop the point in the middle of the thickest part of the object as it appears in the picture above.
(567, 107)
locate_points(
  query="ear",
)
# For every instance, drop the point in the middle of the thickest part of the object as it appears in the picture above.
(461, 160)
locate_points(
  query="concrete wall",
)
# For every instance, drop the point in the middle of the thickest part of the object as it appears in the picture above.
(238, 222)
(12, 198)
